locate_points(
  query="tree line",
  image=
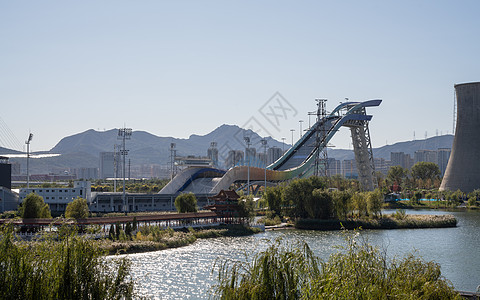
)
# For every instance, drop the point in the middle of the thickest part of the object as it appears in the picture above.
(311, 198)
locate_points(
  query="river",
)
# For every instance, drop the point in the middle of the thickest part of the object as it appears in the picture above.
(186, 272)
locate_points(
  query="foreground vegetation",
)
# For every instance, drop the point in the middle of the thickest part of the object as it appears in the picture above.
(60, 266)
(358, 271)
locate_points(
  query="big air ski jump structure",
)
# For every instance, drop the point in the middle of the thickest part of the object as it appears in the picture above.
(302, 160)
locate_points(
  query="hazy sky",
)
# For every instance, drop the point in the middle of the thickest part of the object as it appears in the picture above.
(178, 68)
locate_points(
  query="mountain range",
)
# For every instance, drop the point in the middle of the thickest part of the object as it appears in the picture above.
(82, 150)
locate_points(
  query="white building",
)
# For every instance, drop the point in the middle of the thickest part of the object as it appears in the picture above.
(58, 198)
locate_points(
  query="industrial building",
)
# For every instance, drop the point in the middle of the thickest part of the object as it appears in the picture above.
(463, 169)
(58, 198)
(8, 198)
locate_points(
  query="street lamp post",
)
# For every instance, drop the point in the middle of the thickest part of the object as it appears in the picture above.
(124, 134)
(264, 143)
(283, 145)
(247, 141)
(30, 136)
(292, 130)
(300, 133)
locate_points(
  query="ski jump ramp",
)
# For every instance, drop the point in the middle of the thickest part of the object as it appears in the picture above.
(301, 160)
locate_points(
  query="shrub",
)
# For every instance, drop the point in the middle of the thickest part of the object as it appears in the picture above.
(77, 209)
(34, 207)
(186, 203)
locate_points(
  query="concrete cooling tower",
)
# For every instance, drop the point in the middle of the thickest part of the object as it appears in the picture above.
(463, 169)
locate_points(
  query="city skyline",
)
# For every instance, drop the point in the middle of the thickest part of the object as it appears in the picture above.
(176, 69)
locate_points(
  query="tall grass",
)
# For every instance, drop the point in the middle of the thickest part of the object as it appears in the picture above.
(357, 271)
(277, 273)
(69, 268)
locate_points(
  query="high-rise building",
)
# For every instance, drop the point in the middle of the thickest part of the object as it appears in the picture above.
(234, 157)
(425, 155)
(273, 154)
(334, 167)
(401, 159)
(85, 173)
(107, 165)
(261, 160)
(381, 165)
(250, 156)
(349, 168)
(443, 155)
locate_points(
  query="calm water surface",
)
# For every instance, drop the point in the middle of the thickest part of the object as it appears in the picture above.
(186, 273)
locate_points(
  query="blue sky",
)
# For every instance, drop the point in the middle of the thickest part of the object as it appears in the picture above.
(186, 67)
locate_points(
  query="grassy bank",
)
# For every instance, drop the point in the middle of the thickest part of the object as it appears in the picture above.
(394, 221)
(152, 238)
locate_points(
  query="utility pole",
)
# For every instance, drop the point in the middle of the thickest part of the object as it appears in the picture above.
(300, 133)
(247, 141)
(115, 165)
(124, 134)
(264, 143)
(292, 130)
(30, 136)
(172, 159)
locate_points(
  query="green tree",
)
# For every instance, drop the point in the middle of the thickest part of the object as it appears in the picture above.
(186, 202)
(34, 207)
(359, 201)
(128, 229)
(246, 207)
(111, 232)
(374, 202)
(416, 197)
(298, 193)
(273, 196)
(77, 209)
(342, 203)
(396, 174)
(320, 205)
(135, 224)
(425, 171)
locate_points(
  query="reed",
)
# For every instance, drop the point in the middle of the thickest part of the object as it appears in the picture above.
(356, 271)
(65, 267)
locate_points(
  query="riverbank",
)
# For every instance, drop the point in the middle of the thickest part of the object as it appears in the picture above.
(395, 221)
(157, 239)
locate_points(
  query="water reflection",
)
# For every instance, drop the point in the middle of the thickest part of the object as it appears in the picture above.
(186, 273)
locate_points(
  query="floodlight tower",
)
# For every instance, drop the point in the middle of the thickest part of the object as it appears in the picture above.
(30, 136)
(124, 134)
(247, 141)
(300, 133)
(264, 143)
(173, 153)
(292, 130)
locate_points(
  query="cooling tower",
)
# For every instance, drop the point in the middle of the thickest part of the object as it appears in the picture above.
(463, 169)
